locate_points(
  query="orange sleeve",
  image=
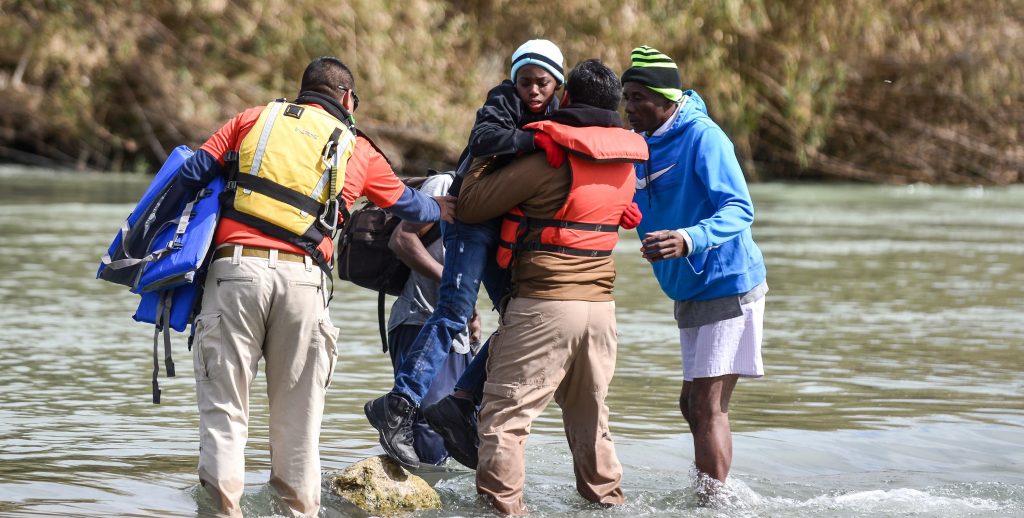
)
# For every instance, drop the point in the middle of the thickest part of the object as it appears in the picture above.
(369, 174)
(230, 135)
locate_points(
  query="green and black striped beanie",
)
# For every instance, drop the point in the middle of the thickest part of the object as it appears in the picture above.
(656, 71)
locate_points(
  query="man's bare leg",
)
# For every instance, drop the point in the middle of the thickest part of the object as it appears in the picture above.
(704, 402)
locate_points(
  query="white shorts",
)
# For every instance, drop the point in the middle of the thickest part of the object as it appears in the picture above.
(731, 346)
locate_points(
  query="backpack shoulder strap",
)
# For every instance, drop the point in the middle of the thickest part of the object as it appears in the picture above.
(381, 326)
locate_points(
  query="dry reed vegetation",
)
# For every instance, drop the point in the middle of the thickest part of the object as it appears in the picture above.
(869, 90)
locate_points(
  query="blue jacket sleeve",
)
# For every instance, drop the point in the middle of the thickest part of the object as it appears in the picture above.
(416, 207)
(720, 172)
(198, 170)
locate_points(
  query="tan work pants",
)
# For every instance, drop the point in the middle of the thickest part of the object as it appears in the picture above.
(263, 308)
(544, 349)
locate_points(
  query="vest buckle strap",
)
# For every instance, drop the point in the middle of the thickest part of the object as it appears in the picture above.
(536, 246)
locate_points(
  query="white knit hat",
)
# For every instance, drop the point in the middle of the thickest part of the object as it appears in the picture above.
(542, 53)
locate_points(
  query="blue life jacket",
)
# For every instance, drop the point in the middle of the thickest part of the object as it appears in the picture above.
(172, 279)
(166, 237)
(160, 251)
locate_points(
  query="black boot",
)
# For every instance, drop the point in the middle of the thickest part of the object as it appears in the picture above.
(392, 416)
(454, 419)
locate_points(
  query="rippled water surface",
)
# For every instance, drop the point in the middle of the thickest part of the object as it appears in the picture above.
(894, 354)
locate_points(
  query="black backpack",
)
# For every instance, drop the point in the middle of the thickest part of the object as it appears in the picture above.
(363, 256)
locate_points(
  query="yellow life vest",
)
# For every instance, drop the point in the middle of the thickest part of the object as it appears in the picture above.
(284, 186)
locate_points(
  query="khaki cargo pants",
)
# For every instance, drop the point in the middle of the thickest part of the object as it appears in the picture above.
(544, 349)
(272, 309)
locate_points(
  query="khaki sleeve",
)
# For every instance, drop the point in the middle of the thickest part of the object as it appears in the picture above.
(487, 194)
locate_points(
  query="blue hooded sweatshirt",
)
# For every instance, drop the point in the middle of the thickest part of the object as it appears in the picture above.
(693, 182)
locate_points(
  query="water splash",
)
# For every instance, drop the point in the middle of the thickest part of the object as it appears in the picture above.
(712, 493)
(906, 501)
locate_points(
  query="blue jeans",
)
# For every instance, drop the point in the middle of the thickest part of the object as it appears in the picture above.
(428, 444)
(469, 259)
(473, 378)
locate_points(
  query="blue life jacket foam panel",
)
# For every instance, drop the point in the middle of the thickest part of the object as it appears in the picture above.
(178, 266)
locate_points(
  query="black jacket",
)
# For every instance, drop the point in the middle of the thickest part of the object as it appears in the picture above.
(498, 128)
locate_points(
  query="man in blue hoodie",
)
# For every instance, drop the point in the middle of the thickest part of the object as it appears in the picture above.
(696, 234)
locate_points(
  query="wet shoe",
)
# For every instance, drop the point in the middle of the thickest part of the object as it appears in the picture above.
(392, 416)
(454, 419)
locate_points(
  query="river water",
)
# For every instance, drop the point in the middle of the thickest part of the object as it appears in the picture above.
(893, 350)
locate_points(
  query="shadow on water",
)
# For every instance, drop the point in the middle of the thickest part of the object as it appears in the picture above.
(892, 350)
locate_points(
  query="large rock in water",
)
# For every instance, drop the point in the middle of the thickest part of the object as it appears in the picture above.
(378, 485)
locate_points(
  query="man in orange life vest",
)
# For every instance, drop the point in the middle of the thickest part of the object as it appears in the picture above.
(265, 292)
(557, 334)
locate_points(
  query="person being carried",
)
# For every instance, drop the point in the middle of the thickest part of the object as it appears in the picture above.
(528, 96)
(557, 336)
(288, 164)
(419, 246)
(696, 223)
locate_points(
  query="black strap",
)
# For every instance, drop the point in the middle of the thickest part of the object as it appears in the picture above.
(526, 224)
(380, 320)
(535, 223)
(516, 247)
(325, 266)
(231, 165)
(432, 235)
(279, 192)
(165, 323)
(535, 246)
(156, 366)
(163, 319)
(227, 196)
(335, 137)
(329, 104)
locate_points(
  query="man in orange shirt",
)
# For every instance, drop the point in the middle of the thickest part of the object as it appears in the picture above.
(265, 292)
